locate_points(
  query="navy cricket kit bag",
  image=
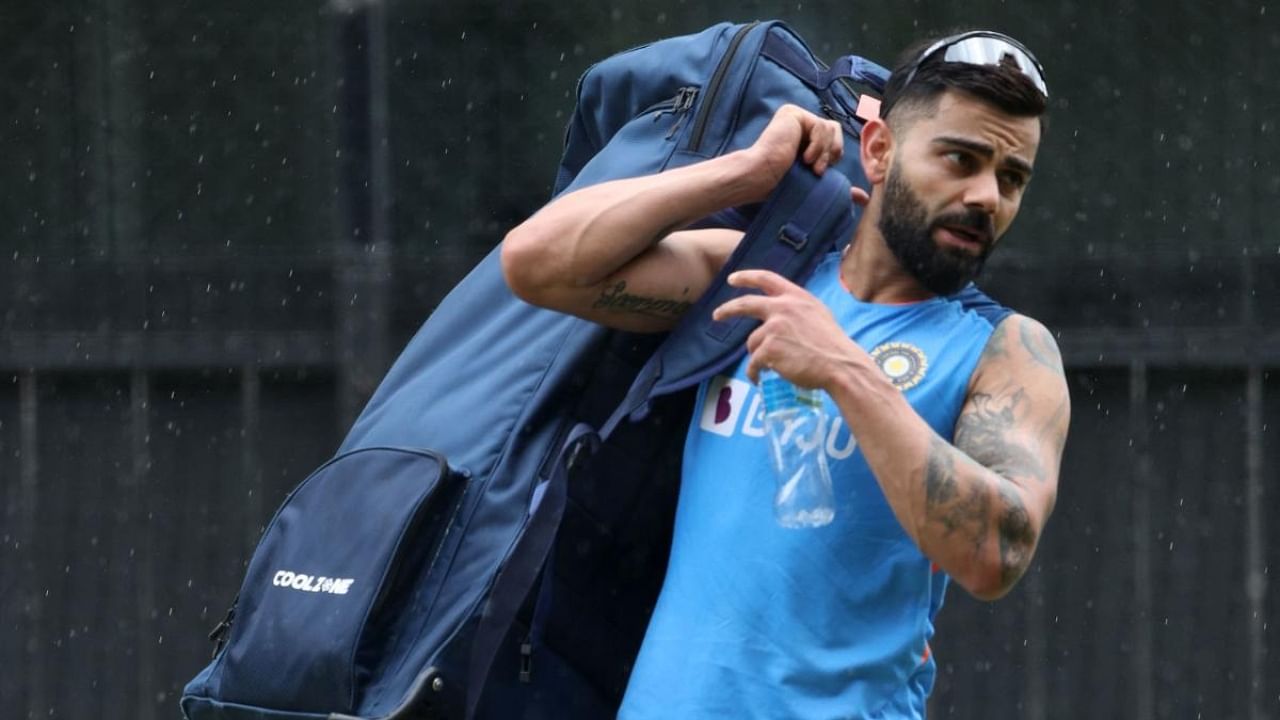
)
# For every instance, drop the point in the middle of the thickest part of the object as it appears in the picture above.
(490, 537)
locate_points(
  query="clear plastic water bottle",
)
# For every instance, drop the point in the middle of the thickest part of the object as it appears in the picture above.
(796, 425)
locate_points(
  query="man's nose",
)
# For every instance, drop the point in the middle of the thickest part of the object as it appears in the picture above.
(983, 192)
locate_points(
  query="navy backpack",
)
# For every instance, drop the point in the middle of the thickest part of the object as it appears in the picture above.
(489, 539)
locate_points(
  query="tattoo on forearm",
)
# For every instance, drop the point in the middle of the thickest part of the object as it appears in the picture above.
(983, 431)
(939, 474)
(1017, 538)
(958, 510)
(1041, 346)
(617, 299)
(966, 508)
(1056, 426)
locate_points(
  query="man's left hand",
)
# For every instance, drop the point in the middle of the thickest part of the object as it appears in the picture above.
(798, 337)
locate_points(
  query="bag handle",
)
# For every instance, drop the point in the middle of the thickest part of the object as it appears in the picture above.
(849, 67)
(820, 79)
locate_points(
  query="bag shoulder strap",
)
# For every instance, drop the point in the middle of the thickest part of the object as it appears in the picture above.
(804, 218)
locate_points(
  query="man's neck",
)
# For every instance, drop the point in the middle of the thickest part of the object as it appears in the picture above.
(871, 272)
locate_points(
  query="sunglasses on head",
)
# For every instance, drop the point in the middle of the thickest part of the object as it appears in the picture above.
(982, 47)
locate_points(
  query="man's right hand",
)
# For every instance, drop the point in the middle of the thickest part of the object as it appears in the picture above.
(794, 132)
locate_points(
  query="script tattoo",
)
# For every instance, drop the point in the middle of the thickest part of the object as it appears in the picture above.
(617, 299)
(965, 513)
(983, 431)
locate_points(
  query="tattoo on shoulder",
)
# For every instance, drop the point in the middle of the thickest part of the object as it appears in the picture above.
(997, 344)
(983, 432)
(1040, 344)
(616, 299)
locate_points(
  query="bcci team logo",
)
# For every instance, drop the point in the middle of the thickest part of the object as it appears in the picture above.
(904, 363)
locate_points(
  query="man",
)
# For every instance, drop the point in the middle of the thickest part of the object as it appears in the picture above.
(959, 408)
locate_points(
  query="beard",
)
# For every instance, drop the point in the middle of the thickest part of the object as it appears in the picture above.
(908, 231)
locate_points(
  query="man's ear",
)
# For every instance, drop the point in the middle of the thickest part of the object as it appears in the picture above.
(877, 150)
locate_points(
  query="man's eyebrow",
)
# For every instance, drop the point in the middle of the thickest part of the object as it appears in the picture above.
(985, 150)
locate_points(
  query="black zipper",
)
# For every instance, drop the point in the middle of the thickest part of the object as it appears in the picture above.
(713, 88)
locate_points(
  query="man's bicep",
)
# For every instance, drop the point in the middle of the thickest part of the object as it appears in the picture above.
(1015, 419)
(653, 291)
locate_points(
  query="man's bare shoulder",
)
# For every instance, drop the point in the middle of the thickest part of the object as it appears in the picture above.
(1018, 410)
(1020, 344)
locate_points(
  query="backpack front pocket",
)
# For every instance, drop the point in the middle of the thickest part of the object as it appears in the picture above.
(338, 549)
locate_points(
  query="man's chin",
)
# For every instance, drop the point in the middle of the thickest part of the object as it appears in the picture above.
(948, 283)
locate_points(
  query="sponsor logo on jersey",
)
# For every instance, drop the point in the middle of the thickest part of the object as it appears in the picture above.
(312, 583)
(734, 406)
(904, 363)
(726, 398)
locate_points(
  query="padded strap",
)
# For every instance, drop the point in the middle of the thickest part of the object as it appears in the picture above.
(541, 609)
(805, 217)
(792, 238)
(527, 556)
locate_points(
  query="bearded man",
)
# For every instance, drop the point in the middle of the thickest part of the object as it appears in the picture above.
(951, 411)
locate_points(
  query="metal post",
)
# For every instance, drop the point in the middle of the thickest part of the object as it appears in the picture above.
(1255, 578)
(1255, 583)
(1037, 647)
(1143, 654)
(363, 249)
(144, 571)
(28, 482)
(111, 62)
(250, 460)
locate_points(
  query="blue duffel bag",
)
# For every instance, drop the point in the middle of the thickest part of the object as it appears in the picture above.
(490, 537)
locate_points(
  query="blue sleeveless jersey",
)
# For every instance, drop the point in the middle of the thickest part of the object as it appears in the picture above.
(759, 621)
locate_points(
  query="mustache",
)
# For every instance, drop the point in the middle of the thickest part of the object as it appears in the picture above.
(971, 219)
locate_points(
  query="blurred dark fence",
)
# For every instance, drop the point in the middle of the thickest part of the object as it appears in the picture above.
(220, 220)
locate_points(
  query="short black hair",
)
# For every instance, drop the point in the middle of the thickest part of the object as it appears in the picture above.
(1003, 86)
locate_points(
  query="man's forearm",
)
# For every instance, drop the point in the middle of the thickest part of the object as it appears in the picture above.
(969, 520)
(582, 237)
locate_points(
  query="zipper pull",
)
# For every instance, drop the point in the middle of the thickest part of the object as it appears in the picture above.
(220, 631)
(675, 127)
(684, 98)
(682, 101)
(526, 662)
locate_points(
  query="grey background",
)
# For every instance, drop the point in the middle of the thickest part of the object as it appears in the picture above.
(220, 221)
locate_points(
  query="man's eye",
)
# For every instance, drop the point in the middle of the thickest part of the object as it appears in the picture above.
(1013, 180)
(959, 158)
